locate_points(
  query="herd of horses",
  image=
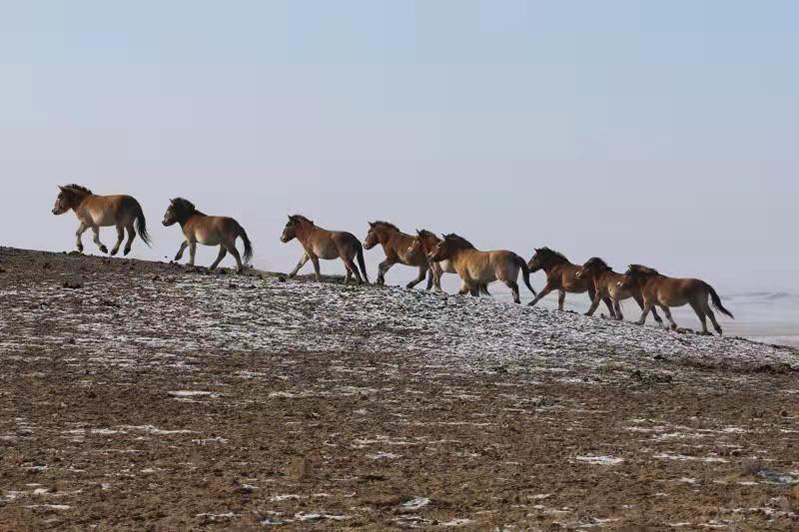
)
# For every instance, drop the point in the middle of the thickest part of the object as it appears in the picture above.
(430, 254)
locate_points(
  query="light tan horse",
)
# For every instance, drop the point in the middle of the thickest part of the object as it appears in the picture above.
(666, 292)
(606, 284)
(426, 241)
(320, 243)
(207, 230)
(397, 247)
(95, 211)
(481, 267)
(562, 276)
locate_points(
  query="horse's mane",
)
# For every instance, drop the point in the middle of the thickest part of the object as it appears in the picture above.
(184, 207)
(596, 262)
(638, 269)
(388, 225)
(424, 233)
(458, 241)
(300, 218)
(551, 254)
(77, 189)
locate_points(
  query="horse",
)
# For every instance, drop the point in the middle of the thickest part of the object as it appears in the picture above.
(320, 243)
(425, 242)
(665, 292)
(606, 285)
(197, 227)
(397, 248)
(562, 276)
(481, 267)
(95, 211)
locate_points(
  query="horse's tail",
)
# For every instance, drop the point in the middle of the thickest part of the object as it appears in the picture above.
(361, 263)
(525, 272)
(717, 301)
(141, 223)
(247, 244)
(484, 289)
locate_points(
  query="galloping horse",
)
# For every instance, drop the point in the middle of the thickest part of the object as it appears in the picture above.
(396, 246)
(666, 292)
(606, 284)
(95, 211)
(197, 227)
(425, 242)
(562, 276)
(320, 243)
(481, 267)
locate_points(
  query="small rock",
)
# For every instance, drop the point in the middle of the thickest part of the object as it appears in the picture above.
(72, 285)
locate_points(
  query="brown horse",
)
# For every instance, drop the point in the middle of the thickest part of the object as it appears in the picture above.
(666, 292)
(207, 230)
(396, 246)
(95, 211)
(320, 243)
(481, 267)
(606, 284)
(426, 241)
(562, 276)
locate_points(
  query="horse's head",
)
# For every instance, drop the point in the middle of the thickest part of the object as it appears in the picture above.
(178, 211)
(379, 232)
(635, 275)
(371, 239)
(592, 267)
(293, 225)
(544, 258)
(445, 249)
(69, 197)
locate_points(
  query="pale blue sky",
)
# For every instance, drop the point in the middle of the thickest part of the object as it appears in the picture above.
(661, 133)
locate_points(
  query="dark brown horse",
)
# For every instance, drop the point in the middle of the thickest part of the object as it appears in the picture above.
(200, 228)
(320, 243)
(606, 284)
(562, 276)
(482, 267)
(666, 292)
(426, 242)
(95, 211)
(397, 247)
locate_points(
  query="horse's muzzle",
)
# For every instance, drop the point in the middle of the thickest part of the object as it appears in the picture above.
(55, 211)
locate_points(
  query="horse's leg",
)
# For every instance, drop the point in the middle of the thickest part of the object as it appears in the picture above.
(179, 255)
(712, 317)
(192, 252)
(700, 313)
(96, 231)
(222, 253)
(546, 290)
(419, 278)
(231, 247)
(120, 238)
(594, 304)
(514, 288)
(305, 258)
(437, 273)
(350, 264)
(609, 304)
(667, 312)
(640, 301)
(430, 276)
(131, 236)
(382, 269)
(647, 307)
(316, 270)
(81, 229)
(617, 306)
(561, 299)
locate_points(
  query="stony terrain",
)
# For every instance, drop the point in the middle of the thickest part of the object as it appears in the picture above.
(141, 395)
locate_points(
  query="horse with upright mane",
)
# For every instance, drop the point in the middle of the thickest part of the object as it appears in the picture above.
(660, 290)
(94, 211)
(321, 243)
(425, 242)
(200, 228)
(397, 248)
(562, 276)
(606, 285)
(477, 268)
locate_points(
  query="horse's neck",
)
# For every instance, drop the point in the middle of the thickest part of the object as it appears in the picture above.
(195, 214)
(305, 232)
(80, 200)
(552, 267)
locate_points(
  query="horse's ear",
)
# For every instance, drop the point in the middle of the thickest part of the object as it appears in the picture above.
(371, 224)
(419, 232)
(62, 188)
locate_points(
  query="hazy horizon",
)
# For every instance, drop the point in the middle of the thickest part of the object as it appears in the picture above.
(653, 133)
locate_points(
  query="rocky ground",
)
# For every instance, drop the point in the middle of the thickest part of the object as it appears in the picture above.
(140, 395)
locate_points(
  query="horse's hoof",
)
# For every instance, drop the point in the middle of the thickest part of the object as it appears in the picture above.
(104, 249)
